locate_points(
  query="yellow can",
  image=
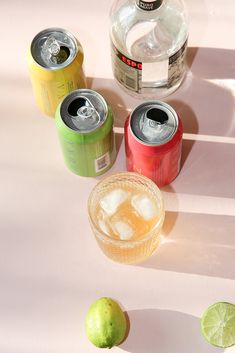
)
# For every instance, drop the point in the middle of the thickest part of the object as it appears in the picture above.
(55, 61)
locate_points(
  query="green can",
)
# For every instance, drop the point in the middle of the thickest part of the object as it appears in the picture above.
(85, 127)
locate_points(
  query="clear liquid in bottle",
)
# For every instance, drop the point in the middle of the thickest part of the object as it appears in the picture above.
(149, 46)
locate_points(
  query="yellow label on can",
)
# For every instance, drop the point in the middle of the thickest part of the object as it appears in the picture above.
(50, 86)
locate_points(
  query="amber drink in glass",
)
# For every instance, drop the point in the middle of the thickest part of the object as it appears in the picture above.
(126, 214)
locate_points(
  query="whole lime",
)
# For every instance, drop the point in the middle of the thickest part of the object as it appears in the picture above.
(106, 323)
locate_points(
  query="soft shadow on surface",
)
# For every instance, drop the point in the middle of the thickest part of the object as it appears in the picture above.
(169, 222)
(165, 331)
(191, 55)
(208, 91)
(208, 170)
(211, 63)
(211, 102)
(189, 122)
(186, 114)
(170, 217)
(198, 244)
(118, 139)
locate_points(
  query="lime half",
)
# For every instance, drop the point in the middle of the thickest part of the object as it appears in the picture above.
(218, 324)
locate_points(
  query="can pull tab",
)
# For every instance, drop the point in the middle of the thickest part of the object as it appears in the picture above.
(86, 112)
(156, 117)
(153, 123)
(55, 51)
(84, 115)
(51, 46)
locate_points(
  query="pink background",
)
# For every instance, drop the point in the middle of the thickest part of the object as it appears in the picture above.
(51, 268)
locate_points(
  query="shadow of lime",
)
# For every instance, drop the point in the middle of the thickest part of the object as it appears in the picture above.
(165, 331)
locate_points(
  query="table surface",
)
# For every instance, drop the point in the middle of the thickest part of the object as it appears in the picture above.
(51, 268)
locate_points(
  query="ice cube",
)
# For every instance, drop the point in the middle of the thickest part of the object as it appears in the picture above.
(103, 226)
(123, 229)
(144, 206)
(113, 200)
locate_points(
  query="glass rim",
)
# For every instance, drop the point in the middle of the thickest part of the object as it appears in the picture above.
(126, 243)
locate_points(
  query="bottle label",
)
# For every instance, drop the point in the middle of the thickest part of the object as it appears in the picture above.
(149, 5)
(176, 65)
(136, 76)
(128, 72)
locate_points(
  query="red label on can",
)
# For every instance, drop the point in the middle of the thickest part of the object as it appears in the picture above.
(161, 163)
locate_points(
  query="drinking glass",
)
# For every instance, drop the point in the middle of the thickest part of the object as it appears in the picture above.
(133, 250)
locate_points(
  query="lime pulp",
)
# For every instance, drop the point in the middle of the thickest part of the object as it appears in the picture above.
(218, 324)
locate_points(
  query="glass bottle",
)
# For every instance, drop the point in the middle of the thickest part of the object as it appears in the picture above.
(148, 45)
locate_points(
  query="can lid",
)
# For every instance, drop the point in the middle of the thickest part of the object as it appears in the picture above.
(84, 110)
(54, 48)
(154, 123)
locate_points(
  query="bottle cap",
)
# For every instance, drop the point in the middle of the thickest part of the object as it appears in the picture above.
(149, 5)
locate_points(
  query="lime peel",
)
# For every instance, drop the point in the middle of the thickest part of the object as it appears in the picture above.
(106, 324)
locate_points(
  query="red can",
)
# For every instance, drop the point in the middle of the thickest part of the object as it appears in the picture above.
(153, 142)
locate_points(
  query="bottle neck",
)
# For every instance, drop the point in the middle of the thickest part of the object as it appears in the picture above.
(149, 5)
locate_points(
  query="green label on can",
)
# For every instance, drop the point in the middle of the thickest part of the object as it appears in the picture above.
(91, 153)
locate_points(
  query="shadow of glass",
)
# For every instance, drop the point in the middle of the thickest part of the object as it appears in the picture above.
(169, 222)
(198, 244)
(170, 217)
(165, 331)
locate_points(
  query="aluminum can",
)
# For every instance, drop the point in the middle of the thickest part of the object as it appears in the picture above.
(55, 61)
(85, 127)
(153, 141)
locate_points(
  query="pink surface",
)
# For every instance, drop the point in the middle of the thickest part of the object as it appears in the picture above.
(51, 268)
